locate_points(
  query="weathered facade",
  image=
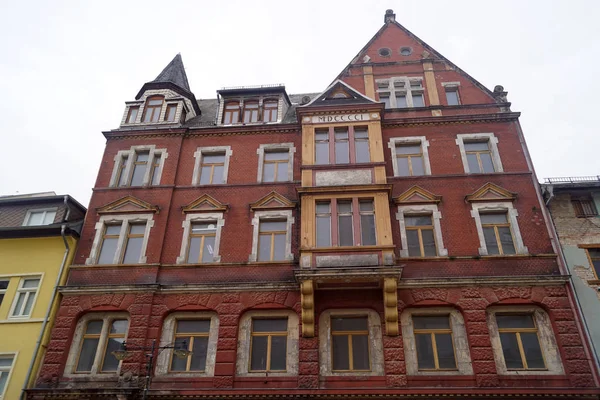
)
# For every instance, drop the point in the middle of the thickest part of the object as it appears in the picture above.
(385, 237)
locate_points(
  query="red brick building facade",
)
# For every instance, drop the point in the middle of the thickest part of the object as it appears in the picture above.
(385, 237)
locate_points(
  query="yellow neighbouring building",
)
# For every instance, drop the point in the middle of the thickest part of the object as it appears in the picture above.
(38, 239)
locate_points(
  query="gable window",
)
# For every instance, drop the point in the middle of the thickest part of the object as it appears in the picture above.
(268, 345)
(171, 112)
(496, 230)
(250, 112)
(6, 365)
(584, 206)
(231, 114)
(401, 92)
(433, 337)
(40, 217)
(272, 236)
(3, 288)
(479, 153)
(152, 109)
(211, 166)
(138, 166)
(192, 334)
(97, 336)
(132, 114)
(410, 156)
(451, 89)
(342, 145)
(420, 231)
(25, 297)
(270, 111)
(275, 162)
(354, 224)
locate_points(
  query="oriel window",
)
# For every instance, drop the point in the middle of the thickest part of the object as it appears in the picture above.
(194, 335)
(323, 225)
(322, 146)
(420, 236)
(202, 242)
(231, 114)
(350, 344)
(250, 112)
(497, 233)
(271, 240)
(367, 222)
(342, 146)
(345, 223)
(153, 108)
(212, 167)
(434, 344)
(520, 342)
(268, 347)
(361, 145)
(479, 157)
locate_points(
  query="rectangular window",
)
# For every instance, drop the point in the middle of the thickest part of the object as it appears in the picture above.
(202, 242)
(321, 146)
(171, 111)
(211, 172)
(41, 217)
(361, 145)
(350, 344)
(154, 176)
(367, 223)
(584, 206)
(593, 254)
(231, 113)
(479, 157)
(409, 159)
(434, 344)
(152, 109)
(271, 240)
(385, 98)
(345, 223)
(342, 146)
(275, 167)
(520, 342)
(3, 287)
(108, 247)
(25, 297)
(268, 347)
(353, 223)
(401, 92)
(497, 233)
(418, 100)
(121, 177)
(323, 224)
(452, 97)
(133, 245)
(6, 363)
(270, 111)
(107, 339)
(250, 112)
(420, 236)
(401, 100)
(192, 335)
(132, 114)
(139, 168)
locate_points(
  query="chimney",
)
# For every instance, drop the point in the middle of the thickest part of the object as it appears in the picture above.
(389, 16)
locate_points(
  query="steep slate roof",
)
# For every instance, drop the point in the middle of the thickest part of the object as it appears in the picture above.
(174, 73)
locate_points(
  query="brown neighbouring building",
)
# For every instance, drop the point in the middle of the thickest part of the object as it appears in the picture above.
(383, 238)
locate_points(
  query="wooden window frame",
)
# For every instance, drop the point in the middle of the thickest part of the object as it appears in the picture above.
(410, 157)
(169, 108)
(497, 234)
(251, 111)
(130, 113)
(152, 109)
(478, 154)
(420, 228)
(401, 86)
(190, 347)
(105, 236)
(154, 167)
(201, 235)
(231, 111)
(272, 239)
(591, 259)
(135, 163)
(334, 221)
(269, 110)
(433, 333)
(276, 162)
(122, 179)
(331, 140)
(269, 335)
(453, 89)
(132, 236)
(350, 346)
(518, 332)
(212, 165)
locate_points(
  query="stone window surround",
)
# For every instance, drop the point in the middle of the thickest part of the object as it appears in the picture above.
(421, 140)
(125, 220)
(208, 150)
(260, 99)
(375, 342)
(421, 209)
(243, 347)
(187, 226)
(407, 90)
(170, 97)
(459, 338)
(152, 150)
(545, 336)
(272, 215)
(512, 214)
(167, 339)
(20, 290)
(14, 355)
(492, 141)
(275, 146)
(74, 350)
(452, 87)
(35, 210)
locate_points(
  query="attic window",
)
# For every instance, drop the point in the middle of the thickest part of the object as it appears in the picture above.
(384, 52)
(340, 95)
(405, 51)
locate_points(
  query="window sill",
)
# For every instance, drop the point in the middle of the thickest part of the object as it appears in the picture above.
(347, 248)
(594, 282)
(343, 166)
(81, 266)
(20, 320)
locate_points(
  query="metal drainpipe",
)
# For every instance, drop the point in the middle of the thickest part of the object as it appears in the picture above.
(38, 344)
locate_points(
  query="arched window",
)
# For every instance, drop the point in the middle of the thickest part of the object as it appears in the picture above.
(152, 109)
(231, 115)
(270, 111)
(250, 112)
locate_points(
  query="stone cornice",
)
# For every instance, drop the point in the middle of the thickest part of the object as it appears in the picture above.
(451, 119)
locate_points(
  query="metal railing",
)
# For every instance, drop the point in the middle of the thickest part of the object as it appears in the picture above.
(272, 85)
(573, 179)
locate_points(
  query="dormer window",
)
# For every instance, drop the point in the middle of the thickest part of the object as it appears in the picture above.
(270, 111)
(232, 112)
(152, 109)
(171, 111)
(250, 112)
(132, 114)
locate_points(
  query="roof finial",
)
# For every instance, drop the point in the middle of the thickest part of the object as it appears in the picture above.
(389, 16)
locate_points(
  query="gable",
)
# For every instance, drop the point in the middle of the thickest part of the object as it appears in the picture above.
(340, 93)
(272, 201)
(127, 204)
(491, 192)
(417, 195)
(205, 203)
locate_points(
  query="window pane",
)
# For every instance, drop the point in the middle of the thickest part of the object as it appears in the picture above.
(194, 250)
(218, 174)
(94, 327)
(276, 155)
(107, 252)
(155, 102)
(486, 162)
(431, 322)
(403, 169)
(360, 352)
(35, 218)
(418, 100)
(428, 243)
(193, 326)
(178, 364)
(137, 229)
(198, 362)
(473, 163)
(365, 205)
(19, 305)
(445, 350)
(344, 206)
(171, 109)
(322, 153)
(279, 247)
(476, 146)
(367, 228)
(3, 380)
(119, 326)
(139, 170)
(401, 102)
(270, 325)
(417, 166)
(414, 248)
(425, 358)
(340, 352)
(205, 175)
(386, 101)
(28, 304)
(269, 173)
(30, 283)
(264, 247)
(341, 153)
(510, 349)
(6, 361)
(345, 232)
(418, 220)
(112, 230)
(452, 97)
(110, 361)
(362, 152)
(508, 247)
(408, 149)
(323, 231)
(1, 298)
(49, 217)
(213, 158)
(272, 226)
(533, 352)
(490, 241)
(282, 172)
(258, 360)
(87, 355)
(515, 321)
(350, 324)
(496, 218)
(133, 250)
(278, 353)
(208, 253)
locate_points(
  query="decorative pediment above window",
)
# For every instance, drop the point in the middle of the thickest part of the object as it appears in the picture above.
(272, 201)
(205, 203)
(417, 195)
(128, 205)
(491, 192)
(340, 93)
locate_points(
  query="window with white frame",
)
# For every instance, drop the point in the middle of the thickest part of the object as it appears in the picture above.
(6, 365)
(523, 341)
(201, 238)
(420, 231)
(272, 236)
(198, 333)
(121, 239)
(451, 89)
(25, 297)
(435, 342)
(350, 342)
(276, 162)
(268, 343)
(401, 92)
(97, 336)
(479, 153)
(40, 217)
(410, 156)
(3, 287)
(138, 166)
(211, 166)
(498, 228)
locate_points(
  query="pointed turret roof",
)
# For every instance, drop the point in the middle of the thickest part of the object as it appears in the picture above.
(174, 73)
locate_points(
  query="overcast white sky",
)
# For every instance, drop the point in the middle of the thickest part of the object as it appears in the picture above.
(67, 67)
